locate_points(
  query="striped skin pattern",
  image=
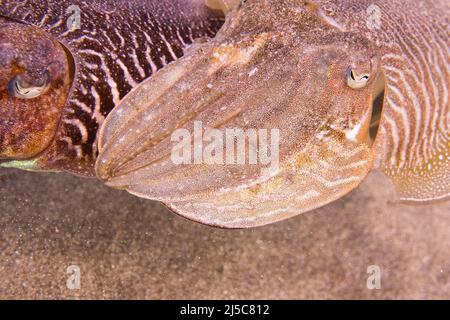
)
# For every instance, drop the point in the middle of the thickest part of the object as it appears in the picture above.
(119, 44)
(283, 64)
(414, 38)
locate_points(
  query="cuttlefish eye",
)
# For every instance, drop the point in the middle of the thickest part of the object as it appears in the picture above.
(36, 74)
(356, 80)
(21, 88)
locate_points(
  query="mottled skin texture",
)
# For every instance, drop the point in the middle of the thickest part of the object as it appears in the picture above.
(118, 44)
(224, 5)
(284, 64)
(27, 128)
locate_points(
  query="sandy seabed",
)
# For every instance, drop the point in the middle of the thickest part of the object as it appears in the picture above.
(128, 247)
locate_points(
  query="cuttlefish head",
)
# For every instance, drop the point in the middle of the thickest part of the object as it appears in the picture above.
(34, 86)
(278, 72)
(336, 92)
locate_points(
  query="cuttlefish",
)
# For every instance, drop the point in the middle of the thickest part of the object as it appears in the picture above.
(64, 65)
(350, 85)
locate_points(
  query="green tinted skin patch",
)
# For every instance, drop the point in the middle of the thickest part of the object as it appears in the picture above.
(28, 165)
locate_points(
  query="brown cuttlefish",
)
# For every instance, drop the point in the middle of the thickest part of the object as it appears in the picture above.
(286, 108)
(64, 65)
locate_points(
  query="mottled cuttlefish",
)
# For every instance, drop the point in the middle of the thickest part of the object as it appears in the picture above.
(99, 87)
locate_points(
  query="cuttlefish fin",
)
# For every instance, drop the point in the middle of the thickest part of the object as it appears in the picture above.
(270, 90)
(414, 143)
